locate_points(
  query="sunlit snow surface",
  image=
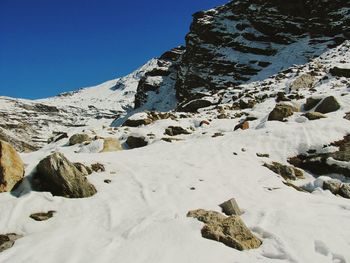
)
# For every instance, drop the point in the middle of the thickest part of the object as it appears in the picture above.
(141, 215)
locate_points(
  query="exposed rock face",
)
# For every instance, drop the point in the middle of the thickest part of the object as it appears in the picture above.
(327, 105)
(258, 31)
(111, 145)
(230, 231)
(281, 112)
(11, 167)
(79, 138)
(287, 172)
(56, 174)
(327, 163)
(136, 142)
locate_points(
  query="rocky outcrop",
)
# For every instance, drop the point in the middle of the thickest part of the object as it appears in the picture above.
(239, 41)
(230, 230)
(11, 167)
(326, 163)
(56, 174)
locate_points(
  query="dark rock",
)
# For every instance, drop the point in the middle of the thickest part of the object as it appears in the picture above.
(175, 130)
(327, 105)
(85, 170)
(56, 174)
(137, 123)
(311, 103)
(57, 136)
(243, 126)
(263, 155)
(194, 105)
(347, 116)
(230, 230)
(136, 142)
(107, 181)
(42, 216)
(340, 72)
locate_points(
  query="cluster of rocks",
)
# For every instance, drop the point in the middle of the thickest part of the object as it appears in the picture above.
(229, 230)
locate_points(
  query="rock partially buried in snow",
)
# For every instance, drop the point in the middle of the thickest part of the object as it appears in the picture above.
(85, 170)
(11, 167)
(332, 185)
(230, 230)
(111, 145)
(194, 105)
(327, 105)
(314, 116)
(340, 72)
(136, 142)
(286, 171)
(282, 111)
(42, 216)
(79, 138)
(311, 103)
(56, 174)
(243, 126)
(175, 130)
(98, 167)
(344, 191)
(8, 240)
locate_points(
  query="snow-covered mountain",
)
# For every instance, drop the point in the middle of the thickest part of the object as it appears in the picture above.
(255, 107)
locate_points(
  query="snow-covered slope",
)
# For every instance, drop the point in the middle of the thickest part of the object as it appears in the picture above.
(141, 215)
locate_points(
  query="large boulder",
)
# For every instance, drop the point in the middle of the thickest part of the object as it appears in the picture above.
(229, 230)
(282, 111)
(328, 104)
(11, 167)
(79, 138)
(305, 81)
(136, 142)
(311, 103)
(56, 174)
(111, 145)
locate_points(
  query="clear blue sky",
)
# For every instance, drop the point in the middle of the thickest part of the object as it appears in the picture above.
(51, 46)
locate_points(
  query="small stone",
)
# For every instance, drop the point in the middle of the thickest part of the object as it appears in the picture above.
(314, 115)
(98, 167)
(263, 155)
(42, 216)
(176, 130)
(107, 181)
(230, 207)
(243, 126)
(345, 191)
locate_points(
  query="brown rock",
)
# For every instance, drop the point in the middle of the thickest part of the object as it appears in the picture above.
(230, 230)
(79, 138)
(243, 126)
(42, 216)
(282, 111)
(314, 115)
(286, 171)
(327, 105)
(98, 167)
(11, 167)
(332, 185)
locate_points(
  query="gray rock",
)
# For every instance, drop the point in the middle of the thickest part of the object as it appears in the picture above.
(85, 170)
(327, 105)
(340, 72)
(79, 138)
(230, 231)
(311, 103)
(56, 174)
(286, 171)
(230, 207)
(332, 185)
(305, 81)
